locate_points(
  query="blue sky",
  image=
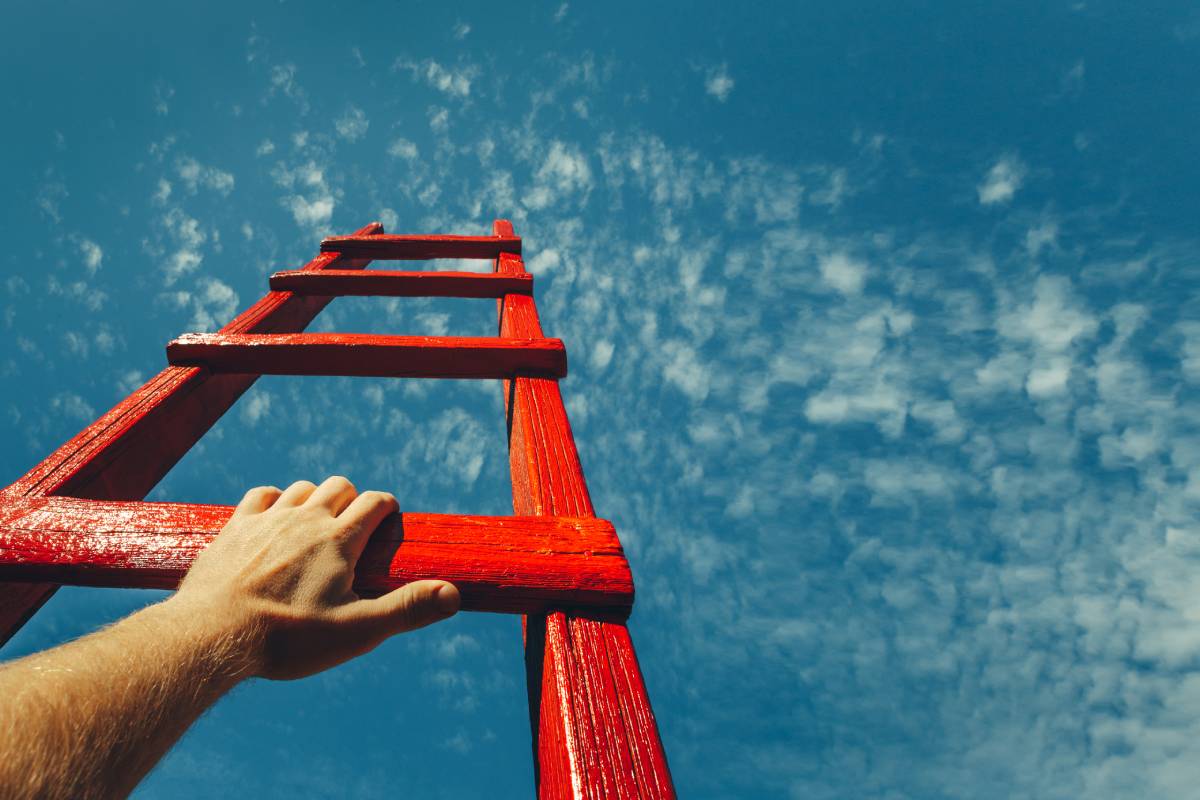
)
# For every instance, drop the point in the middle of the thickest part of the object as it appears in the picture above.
(884, 340)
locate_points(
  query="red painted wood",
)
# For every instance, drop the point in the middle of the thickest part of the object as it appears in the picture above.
(415, 248)
(379, 283)
(506, 564)
(595, 735)
(370, 355)
(123, 454)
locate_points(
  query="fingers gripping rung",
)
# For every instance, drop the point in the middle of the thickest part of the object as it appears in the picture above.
(369, 355)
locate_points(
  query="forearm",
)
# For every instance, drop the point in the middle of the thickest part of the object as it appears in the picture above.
(91, 718)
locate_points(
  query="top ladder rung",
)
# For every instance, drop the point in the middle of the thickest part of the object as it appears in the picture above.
(416, 248)
(379, 283)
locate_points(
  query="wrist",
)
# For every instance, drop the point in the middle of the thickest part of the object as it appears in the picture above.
(225, 642)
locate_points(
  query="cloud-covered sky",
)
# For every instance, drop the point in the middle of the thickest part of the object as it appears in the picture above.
(885, 358)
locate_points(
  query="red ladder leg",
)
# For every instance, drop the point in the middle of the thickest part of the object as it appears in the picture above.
(594, 732)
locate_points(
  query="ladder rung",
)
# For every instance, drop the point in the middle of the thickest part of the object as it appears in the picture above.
(369, 355)
(510, 564)
(415, 248)
(379, 283)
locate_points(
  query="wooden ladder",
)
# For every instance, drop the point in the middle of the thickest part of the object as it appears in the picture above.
(78, 517)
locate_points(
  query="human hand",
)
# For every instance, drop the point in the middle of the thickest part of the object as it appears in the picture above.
(278, 579)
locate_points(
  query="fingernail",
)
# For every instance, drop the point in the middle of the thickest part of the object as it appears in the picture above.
(447, 599)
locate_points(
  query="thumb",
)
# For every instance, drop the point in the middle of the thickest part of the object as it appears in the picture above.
(412, 606)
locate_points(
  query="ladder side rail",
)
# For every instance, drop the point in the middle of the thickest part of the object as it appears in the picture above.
(594, 732)
(124, 453)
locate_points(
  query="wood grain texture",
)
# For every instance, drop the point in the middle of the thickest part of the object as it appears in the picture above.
(503, 564)
(595, 735)
(381, 283)
(370, 355)
(416, 248)
(124, 453)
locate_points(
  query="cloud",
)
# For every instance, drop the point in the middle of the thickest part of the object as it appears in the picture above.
(188, 237)
(283, 81)
(255, 407)
(50, 195)
(564, 173)
(72, 407)
(439, 119)
(308, 196)
(353, 124)
(162, 192)
(402, 148)
(843, 273)
(311, 213)
(718, 83)
(194, 175)
(93, 256)
(211, 302)
(461, 29)
(1001, 182)
(453, 81)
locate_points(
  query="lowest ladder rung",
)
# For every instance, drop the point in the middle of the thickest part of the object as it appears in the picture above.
(380, 283)
(369, 355)
(415, 248)
(511, 564)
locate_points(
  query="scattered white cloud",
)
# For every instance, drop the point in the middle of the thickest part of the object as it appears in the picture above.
(162, 192)
(439, 119)
(93, 255)
(1001, 182)
(256, 406)
(718, 83)
(565, 173)
(402, 148)
(265, 148)
(453, 81)
(72, 407)
(195, 175)
(353, 124)
(50, 195)
(211, 302)
(162, 96)
(311, 212)
(461, 29)
(843, 273)
(283, 81)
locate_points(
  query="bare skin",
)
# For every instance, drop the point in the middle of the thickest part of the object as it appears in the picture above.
(270, 597)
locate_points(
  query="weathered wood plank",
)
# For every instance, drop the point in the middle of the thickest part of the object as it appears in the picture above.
(504, 564)
(381, 283)
(124, 453)
(415, 248)
(370, 355)
(595, 735)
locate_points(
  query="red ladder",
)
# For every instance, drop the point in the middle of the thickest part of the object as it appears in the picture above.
(78, 517)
